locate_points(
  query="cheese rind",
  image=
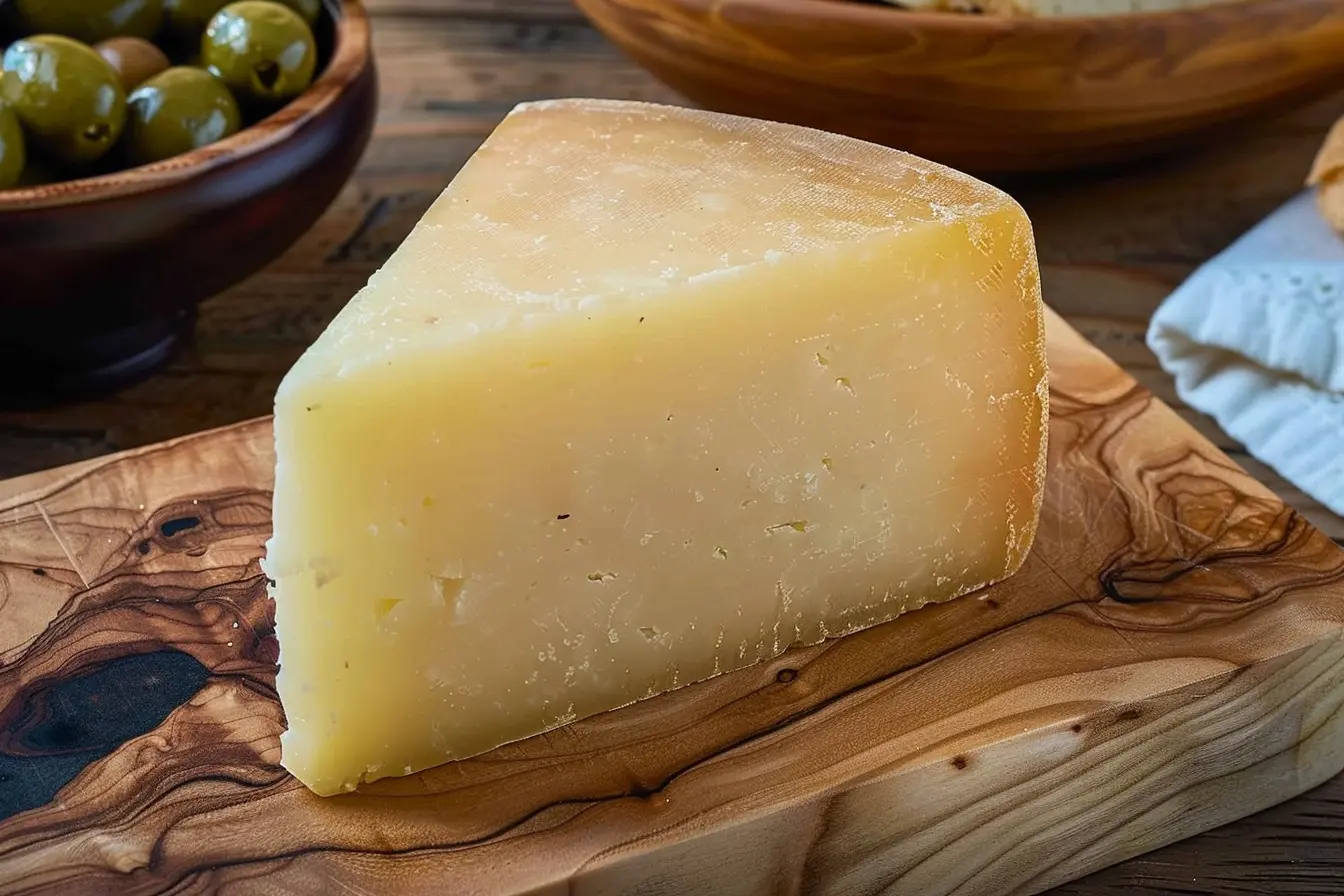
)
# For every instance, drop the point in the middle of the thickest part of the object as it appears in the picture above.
(649, 394)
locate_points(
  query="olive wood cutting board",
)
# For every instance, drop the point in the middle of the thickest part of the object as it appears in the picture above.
(1168, 659)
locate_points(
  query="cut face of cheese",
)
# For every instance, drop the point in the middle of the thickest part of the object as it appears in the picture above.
(648, 395)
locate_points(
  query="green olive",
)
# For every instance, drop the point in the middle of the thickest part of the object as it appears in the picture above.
(67, 97)
(186, 19)
(92, 20)
(135, 59)
(263, 51)
(13, 158)
(177, 111)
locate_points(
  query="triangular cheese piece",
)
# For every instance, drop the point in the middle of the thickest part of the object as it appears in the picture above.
(649, 394)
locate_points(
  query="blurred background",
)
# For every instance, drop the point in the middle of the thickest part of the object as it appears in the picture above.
(1114, 240)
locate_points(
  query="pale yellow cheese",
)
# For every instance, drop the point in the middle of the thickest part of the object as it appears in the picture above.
(648, 395)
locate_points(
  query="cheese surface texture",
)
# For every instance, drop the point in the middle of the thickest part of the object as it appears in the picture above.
(649, 394)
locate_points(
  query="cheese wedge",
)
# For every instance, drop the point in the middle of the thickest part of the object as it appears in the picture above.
(648, 395)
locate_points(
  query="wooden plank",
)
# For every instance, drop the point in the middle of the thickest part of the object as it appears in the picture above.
(514, 11)
(1169, 659)
(475, 81)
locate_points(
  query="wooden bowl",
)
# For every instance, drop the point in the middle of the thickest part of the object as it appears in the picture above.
(987, 94)
(100, 277)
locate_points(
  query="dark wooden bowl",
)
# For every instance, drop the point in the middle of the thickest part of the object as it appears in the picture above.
(100, 277)
(981, 93)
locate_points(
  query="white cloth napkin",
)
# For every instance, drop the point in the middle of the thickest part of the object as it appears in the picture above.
(1255, 338)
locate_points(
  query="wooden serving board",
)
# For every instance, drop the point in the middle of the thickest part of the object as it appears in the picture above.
(1170, 658)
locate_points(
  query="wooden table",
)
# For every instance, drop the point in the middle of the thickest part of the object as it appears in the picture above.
(1112, 246)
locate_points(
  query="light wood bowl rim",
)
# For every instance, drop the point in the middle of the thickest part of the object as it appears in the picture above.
(351, 53)
(893, 19)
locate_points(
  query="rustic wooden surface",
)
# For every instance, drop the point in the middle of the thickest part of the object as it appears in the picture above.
(1112, 245)
(1168, 659)
(981, 93)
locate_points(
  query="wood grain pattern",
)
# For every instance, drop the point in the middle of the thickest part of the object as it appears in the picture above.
(1168, 659)
(102, 275)
(987, 94)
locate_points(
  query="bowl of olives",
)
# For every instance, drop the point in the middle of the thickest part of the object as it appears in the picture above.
(152, 154)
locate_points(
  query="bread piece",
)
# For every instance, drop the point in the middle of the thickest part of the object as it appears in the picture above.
(1327, 176)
